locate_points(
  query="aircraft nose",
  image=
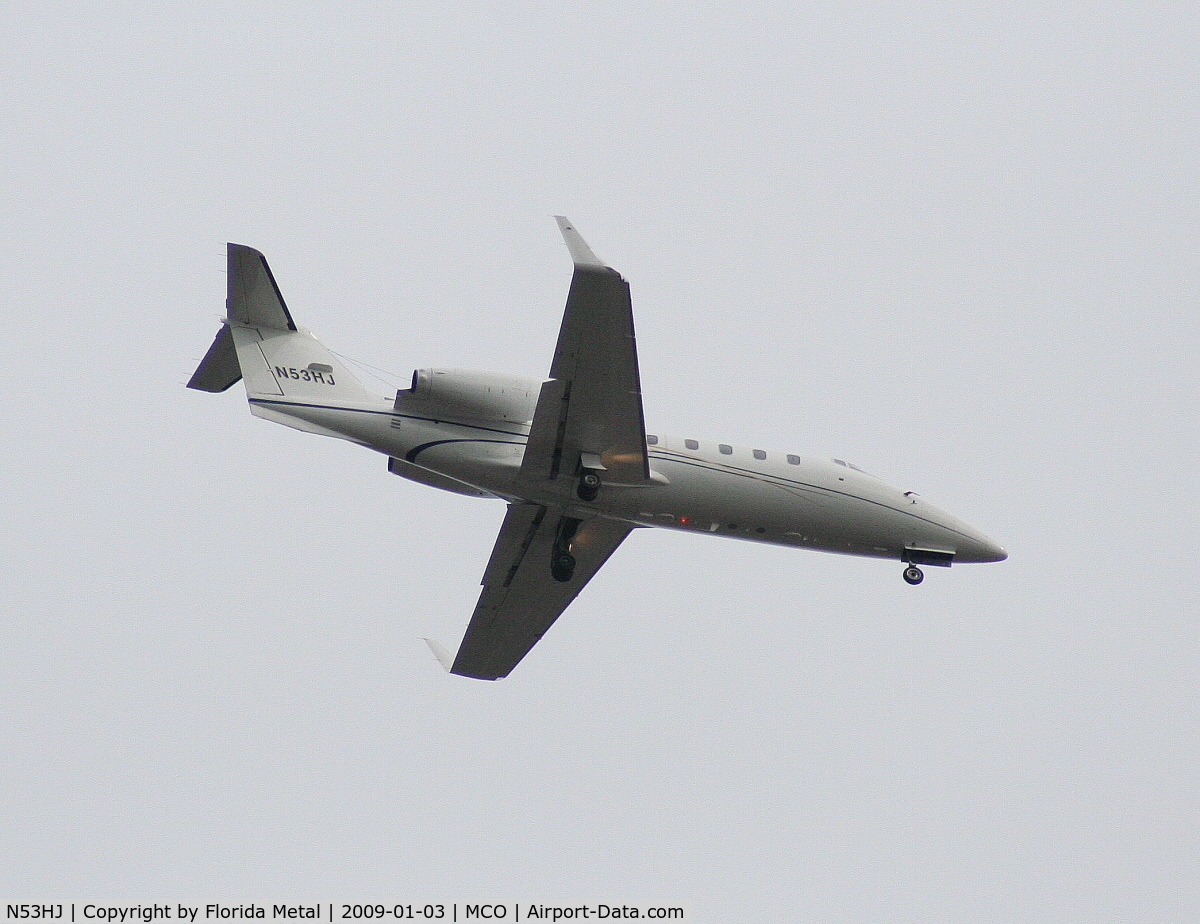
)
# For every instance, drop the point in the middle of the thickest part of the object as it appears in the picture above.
(983, 549)
(994, 552)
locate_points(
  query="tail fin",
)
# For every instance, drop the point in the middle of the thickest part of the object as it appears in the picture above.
(254, 298)
(262, 344)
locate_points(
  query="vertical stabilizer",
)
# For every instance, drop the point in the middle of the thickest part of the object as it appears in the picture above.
(253, 297)
(261, 344)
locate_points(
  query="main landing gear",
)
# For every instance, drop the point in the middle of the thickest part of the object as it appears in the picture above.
(914, 575)
(589, 485)
(562, 562)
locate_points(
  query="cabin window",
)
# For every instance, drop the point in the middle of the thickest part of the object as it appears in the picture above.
(651, 439)
(726, 449)
(691, 444)
(759, 454)
(793, 460)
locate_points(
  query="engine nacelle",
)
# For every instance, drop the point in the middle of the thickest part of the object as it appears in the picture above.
(454, 394)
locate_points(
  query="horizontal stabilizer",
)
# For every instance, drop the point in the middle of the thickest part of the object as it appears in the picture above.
(219, 370)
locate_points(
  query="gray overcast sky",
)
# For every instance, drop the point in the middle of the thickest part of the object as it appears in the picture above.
(953, 242)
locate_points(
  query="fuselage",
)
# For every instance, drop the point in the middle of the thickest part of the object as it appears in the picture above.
(696, 485)
(571, 455)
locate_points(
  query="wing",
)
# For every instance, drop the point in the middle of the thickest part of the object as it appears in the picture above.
(590, 411)
(521, 595)
(592, 406)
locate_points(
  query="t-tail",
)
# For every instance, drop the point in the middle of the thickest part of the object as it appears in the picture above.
(261, 345)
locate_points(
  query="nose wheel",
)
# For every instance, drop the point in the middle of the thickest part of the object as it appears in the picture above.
(914, 575)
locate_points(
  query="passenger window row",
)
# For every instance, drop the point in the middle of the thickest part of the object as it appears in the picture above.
(726, 449)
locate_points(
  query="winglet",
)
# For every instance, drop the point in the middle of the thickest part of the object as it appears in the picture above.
(443, 656)
(581, 253)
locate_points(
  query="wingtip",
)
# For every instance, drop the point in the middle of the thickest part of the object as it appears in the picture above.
(440, 653)
(581, 253)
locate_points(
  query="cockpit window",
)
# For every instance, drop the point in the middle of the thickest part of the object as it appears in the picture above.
(853, 466)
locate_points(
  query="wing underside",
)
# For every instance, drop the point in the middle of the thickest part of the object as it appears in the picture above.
(521, 597)
(588, 415)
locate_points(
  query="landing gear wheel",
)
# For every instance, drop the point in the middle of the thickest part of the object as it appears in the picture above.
(562, 567)
(914, 575)
(589, 486)
(562, 562)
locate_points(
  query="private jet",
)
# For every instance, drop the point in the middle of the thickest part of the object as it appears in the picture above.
(569, 454)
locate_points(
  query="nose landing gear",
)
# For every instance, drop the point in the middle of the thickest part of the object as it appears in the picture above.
(916, 555)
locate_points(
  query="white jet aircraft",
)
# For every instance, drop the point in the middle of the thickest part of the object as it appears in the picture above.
(570, 455)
